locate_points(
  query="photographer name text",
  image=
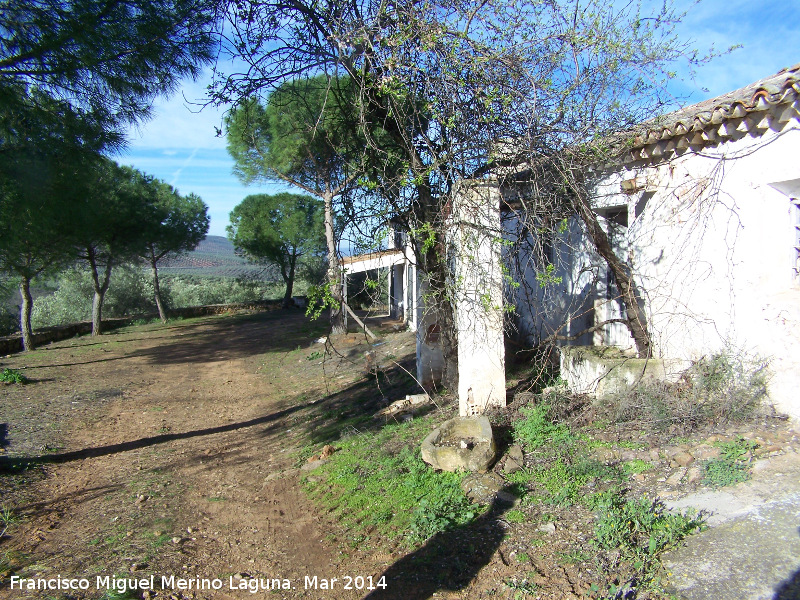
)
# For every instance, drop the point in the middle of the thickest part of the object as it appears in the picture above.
(171, 582)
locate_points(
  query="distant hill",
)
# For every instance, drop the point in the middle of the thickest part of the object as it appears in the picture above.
(215, 257)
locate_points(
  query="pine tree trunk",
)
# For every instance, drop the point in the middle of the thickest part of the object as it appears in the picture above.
(289, 279)
(636, 319)
(162, 314)
(97, 312)
(338, 324)
(100, 288)
(25, 314)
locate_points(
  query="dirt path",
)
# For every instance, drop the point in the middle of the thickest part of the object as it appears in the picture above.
(176, 452)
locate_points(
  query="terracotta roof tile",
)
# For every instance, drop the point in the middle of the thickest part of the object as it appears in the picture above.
(710, 117)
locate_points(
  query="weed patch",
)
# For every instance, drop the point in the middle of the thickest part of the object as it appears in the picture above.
(538, 429)
(728, 387)
(563, 480)
(12, 376)
(637, 465)
(641, 529)
(516, 516)
(8, 519)
(372, 484)
(732, 466)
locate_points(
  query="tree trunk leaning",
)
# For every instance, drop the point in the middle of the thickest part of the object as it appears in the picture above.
(25, 314)
(636, 320)
(162, 313)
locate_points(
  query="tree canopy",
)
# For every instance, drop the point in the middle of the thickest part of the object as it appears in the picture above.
(282, 229)
(174, 224)
(471, 90)
(43, 179)
(107, 60)
(305, 135)
(113, 225)
(73, 75)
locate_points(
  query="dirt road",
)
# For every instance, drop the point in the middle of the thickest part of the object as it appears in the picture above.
(173, 451)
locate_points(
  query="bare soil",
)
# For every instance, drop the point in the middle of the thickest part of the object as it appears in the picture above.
(175, 450)
(172, 450)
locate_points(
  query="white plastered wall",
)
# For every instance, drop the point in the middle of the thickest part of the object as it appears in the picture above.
(711, 243)
(475, 237)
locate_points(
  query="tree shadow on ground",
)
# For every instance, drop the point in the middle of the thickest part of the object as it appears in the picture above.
(13, 464)
(324, 418)
(789, 589)
(214, 340)
(354, 409)
(237, 337)
(3, 435)
(449, 561)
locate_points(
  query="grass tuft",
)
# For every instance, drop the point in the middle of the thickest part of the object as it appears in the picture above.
(732, 466)
(378, 482)
(13, 376)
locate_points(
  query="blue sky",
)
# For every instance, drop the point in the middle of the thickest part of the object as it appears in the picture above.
(179, 144)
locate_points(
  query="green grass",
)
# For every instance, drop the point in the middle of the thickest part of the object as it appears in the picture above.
(8, 520)
(574, 556)
(637, 465)
(564, 474)
(377, 482)
(12, 376)
(563, 469)
(538, 430)
(516, 516)
(732, 466)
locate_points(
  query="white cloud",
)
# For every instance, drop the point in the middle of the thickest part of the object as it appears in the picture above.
(767, 33)
(182, 121)
(177, 174)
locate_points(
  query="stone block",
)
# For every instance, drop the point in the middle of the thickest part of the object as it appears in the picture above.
(442, 449)
(602, 371)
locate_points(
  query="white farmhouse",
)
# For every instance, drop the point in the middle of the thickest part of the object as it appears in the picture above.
(704, 208)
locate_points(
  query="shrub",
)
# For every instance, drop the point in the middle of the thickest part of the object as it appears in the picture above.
(9, 321)
(199, 291)
(130, 292)
(722, 388)
(12, 376)
(730, 386)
